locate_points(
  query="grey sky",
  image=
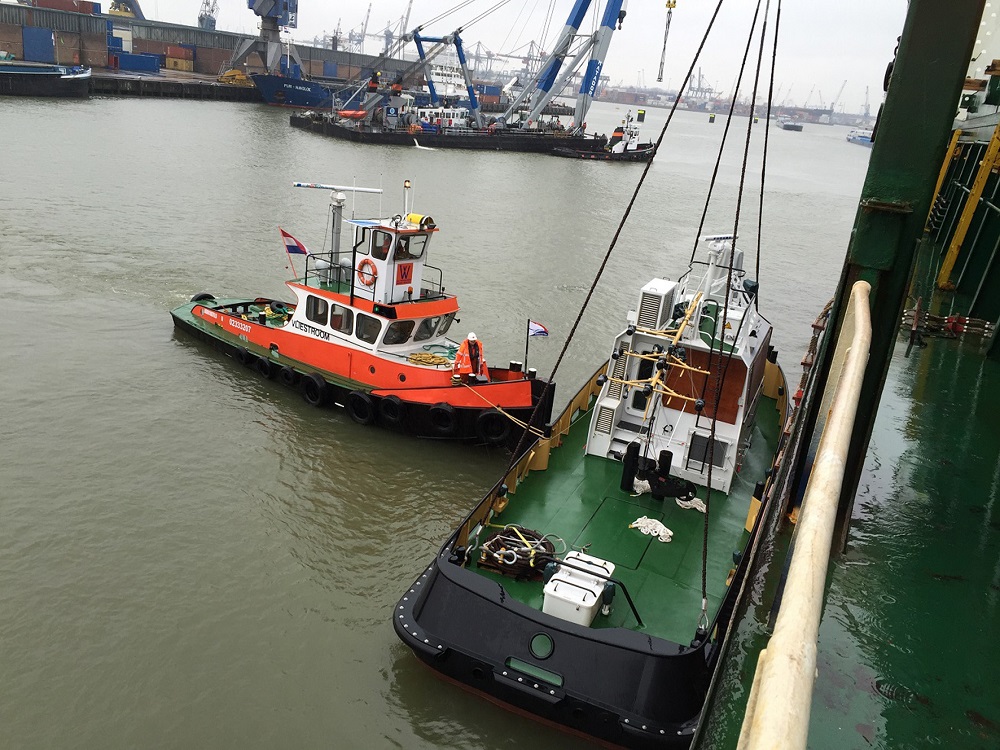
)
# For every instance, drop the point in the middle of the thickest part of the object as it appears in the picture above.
(822, 44)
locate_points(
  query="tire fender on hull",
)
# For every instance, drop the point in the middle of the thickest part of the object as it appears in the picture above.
(392, 411)
(266, 368)
(443, 419)
(314, 389)
(244, 356)
(360, 407)
(492, 427)
(288, 376)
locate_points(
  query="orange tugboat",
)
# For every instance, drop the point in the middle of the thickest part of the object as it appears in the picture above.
(368, 330)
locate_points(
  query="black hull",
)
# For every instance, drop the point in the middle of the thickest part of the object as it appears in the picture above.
(501, 140)
(37, 84)
(618, 686)
(464, 424)
(643, 154)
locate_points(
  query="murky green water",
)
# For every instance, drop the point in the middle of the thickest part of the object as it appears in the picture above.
(192, 557)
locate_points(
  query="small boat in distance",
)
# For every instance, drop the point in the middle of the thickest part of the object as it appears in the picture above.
(861, 136)
(369, 330)
(786, 123)
(622, 146)
(19, 78)
(566, 599)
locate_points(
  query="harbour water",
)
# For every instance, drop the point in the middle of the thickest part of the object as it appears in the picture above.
(193, 557)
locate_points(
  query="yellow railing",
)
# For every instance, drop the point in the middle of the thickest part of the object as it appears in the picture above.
(777, 714)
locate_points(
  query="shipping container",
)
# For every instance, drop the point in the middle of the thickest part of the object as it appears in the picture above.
(39, 44)
(329, 69)
(71, 6)
(174, 64)
(179, 53)
(194, 51)
(126, 36)
(489, 99)
(115, 43)
(139, 63)
(491, 91)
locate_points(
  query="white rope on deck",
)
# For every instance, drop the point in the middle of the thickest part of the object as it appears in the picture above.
(697, 503)
(652, 527)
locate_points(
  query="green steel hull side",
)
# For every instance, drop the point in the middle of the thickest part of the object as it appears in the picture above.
(908, 640)
(578, 499)
(183, 316)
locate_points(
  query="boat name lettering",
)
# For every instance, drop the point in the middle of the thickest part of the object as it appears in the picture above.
(209, 313)
(306, 328)
(240, 325)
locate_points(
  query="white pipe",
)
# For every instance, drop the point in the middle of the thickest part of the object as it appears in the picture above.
(778, 709)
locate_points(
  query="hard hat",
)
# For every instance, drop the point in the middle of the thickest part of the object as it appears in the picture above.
(471, 336)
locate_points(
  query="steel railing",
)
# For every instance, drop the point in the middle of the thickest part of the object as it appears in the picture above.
(777, 714)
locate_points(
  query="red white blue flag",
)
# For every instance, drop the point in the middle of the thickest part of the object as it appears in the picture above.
(537, 329)
(292, 245)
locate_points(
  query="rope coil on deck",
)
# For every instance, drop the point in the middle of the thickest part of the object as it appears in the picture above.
(428, 359)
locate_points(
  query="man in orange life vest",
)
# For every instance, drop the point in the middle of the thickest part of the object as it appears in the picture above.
(470, 359)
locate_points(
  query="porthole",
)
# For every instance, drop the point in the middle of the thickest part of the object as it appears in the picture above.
(402, 378)
(541, 646)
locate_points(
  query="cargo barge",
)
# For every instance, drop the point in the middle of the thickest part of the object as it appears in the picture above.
(40, 79)
(524, 141)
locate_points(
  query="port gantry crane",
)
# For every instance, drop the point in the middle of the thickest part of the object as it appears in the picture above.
(274, 15)
(208, 14)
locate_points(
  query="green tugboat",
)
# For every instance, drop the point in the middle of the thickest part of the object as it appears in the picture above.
(900, 419)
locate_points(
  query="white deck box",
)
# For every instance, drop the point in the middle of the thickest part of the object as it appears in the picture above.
(575, 595)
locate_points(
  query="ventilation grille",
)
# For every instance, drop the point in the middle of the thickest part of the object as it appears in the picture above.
(605, 418)
(617, 374)
(667, 311)
(649, 310)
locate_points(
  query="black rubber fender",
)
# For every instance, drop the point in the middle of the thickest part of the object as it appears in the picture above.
(392, 411)
(443, 419)
(202, 297)
(360, 407)
(288, 376)
(314, 389)
(244, 357)
(265, 367)
(492, 427)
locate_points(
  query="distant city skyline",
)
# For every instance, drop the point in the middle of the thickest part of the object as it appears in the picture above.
(822, 46)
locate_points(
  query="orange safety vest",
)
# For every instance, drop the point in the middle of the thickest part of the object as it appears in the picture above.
(471, 358)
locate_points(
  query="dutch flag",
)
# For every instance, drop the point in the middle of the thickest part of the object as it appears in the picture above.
(292, 245)
(537, 329)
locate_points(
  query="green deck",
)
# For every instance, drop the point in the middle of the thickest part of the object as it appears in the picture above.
(579, 500)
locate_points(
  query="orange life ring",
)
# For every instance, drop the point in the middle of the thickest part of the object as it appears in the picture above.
(367, 272)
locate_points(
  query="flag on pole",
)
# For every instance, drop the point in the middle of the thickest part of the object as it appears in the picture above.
(537, 329)
(292, 245)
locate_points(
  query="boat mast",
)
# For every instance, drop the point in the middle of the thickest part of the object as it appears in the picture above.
(614, 12)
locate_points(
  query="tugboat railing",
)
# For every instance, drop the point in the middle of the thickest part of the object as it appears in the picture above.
(777, 714)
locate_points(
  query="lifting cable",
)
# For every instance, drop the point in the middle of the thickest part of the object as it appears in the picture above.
(721, 377)
(614, 241)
